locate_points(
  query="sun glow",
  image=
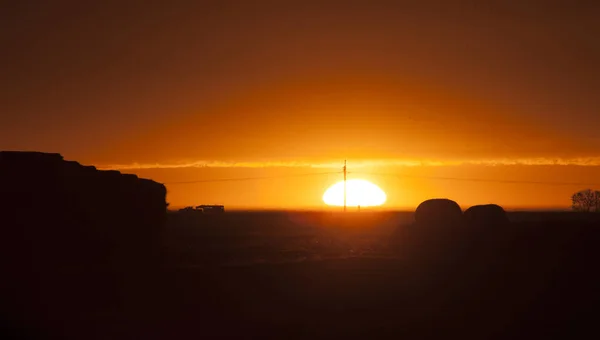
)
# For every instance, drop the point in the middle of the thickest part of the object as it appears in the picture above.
(358, 192)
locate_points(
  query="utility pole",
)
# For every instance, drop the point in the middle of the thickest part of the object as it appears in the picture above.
(344, 185)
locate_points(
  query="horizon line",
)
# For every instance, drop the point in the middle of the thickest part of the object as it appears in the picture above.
(377, 209)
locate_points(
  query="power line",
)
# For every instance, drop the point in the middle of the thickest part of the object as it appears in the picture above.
(251, 178)
(478, 179)
(464, 179)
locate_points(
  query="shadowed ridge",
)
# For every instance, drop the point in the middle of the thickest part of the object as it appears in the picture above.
(27, 156)
(73, 236)
(70, 203)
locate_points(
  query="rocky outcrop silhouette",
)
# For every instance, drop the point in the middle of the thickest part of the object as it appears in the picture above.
(485, 215)
(438, 212)
(57, 210)
(74, 239)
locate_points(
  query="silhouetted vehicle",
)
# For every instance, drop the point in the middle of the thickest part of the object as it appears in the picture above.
(203, 209)
(188, 210)
(211, 209)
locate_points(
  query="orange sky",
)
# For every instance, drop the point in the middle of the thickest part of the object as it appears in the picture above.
(181, 83)
(405, 187)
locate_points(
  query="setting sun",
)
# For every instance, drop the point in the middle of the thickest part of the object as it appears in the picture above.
(359, 192)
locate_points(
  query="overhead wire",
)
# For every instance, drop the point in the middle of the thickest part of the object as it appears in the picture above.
(251, 178)
(477, 179)
(464, 179)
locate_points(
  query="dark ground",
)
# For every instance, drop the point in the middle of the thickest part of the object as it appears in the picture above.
(321, 275)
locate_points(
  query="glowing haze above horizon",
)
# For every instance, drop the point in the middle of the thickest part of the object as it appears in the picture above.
(185, 90)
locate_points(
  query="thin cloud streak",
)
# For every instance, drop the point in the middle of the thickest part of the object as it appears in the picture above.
(582, 161)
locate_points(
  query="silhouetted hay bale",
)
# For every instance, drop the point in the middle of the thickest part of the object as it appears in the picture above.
(438, 212)
(432, 236)
(486, 215)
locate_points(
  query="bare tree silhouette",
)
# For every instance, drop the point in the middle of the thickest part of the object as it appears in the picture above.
(586, 200)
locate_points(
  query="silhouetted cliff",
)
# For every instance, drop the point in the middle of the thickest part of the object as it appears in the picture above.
(57, 210)
(72, 236)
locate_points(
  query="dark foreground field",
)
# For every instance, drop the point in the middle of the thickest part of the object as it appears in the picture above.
(322, 275)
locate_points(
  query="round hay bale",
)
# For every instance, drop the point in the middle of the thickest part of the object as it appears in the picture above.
(486, 214)
(438, 212)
